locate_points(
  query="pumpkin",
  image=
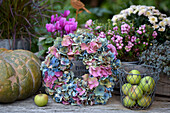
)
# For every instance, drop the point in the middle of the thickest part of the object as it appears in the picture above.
(20, 75)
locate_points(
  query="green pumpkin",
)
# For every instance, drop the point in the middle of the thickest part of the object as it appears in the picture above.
(20, 75)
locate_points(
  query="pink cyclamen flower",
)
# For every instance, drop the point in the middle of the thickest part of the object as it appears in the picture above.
(62, 22)
(52, 19)
(65, 14)
(50, 27)
(67, 41)
(93, 82)
(57, 18)
(57, 26)
(70, 26)
(95, 71)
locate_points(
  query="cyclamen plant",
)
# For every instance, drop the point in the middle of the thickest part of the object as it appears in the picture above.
(127, 40)
(141, 14)
(59, 25)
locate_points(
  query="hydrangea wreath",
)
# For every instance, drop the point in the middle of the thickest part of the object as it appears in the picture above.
(94, 87)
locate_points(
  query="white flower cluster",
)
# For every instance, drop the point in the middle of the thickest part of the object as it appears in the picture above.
(156, 19)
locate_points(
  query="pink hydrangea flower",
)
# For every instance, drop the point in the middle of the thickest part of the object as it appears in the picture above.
(91, 47)
(109, 70)
(85, 77)
(67, 41)
(65, 102)
(95, 71)
(89, 63)
(112, 49)
(49, 81)
(53, 51)
(93, 82)
(59, 74)
(77, 99)
(103, 72)
(81, 91)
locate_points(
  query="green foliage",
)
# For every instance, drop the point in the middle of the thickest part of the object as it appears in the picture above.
(45, 43)
(117, 5)
(158, 55)
(18, 19)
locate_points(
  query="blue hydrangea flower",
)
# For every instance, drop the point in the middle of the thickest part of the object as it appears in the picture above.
(99, 90)
(65, 61)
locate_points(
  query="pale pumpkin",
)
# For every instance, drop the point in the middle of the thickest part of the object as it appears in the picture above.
(20, 75)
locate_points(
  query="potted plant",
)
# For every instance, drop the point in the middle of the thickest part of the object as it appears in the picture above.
(17, 22)
(59, 26)
(141, 14)
(128, 41)
(158, 55)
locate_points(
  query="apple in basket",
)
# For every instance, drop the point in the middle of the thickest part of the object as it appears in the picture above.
(147, 84)
(126, 87)
(135, 92)
(145, 101)
(134, 77)
(128, 102)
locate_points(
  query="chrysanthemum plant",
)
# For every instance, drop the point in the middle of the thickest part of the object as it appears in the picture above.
(141, 14)
(127, 40)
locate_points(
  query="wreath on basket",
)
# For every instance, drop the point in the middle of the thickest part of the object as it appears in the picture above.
(97, 55)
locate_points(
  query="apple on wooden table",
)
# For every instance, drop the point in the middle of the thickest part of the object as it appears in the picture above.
(41, 99)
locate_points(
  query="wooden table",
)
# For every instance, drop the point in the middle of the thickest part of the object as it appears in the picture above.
(113, 106)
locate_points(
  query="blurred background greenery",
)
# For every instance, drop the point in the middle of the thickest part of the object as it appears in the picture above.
(100, 9)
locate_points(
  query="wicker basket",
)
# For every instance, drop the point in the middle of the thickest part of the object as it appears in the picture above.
(138, 93)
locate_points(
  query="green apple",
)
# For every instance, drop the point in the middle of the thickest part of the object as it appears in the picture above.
(144, 101)
(126, 87)
(147, 84)
(134, 79)
(135, 92)
(128, 102)
(41, 100)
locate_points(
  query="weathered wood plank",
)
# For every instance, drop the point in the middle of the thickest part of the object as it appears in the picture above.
(113, 106)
